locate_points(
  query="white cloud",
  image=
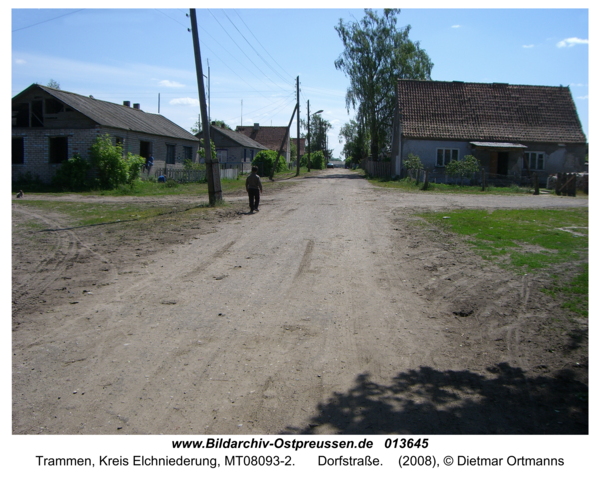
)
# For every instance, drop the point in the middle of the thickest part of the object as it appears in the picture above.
(456, 26)
(577, 84)
(528, 46)
(569, 42)
(20, 62)
(583, 97)
(170, 84)
(185, 101)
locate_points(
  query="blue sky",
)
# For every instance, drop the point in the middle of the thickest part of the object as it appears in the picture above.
(256, 54)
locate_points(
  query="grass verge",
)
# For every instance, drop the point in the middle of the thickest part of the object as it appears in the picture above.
(530, 241)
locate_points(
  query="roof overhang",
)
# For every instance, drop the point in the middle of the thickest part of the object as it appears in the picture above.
(497, 146)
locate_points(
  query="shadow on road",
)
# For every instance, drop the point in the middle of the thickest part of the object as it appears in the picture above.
(339, 175)
(429, 401)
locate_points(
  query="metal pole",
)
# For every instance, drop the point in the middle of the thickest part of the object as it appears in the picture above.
(213, 173)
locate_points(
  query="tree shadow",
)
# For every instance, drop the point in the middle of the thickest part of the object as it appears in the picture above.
(339, 175)
(429, 401)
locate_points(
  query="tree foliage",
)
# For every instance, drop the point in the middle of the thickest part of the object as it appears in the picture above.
(317, 160)
(355, 139)
(72, 174)
(213, 150)
(112, 168)
(376, 54)
(464, 167)
(318, 135)
(267, 158)
(413, 162)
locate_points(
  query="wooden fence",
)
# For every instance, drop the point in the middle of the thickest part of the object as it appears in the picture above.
(377, 169)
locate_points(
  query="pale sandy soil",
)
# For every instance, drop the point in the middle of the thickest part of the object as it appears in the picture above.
(332, 310)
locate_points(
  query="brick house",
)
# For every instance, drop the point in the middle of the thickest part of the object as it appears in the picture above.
(233, 147)
(269, 136)
(49, 126)
(511, 129)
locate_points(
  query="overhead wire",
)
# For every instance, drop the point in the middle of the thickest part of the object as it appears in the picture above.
(46, 21)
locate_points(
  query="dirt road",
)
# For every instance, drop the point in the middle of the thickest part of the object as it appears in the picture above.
(330, 311)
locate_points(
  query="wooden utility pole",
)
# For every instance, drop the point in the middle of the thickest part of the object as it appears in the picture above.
(285, 137)
(308, 133)
(213, 172)
(298, 125)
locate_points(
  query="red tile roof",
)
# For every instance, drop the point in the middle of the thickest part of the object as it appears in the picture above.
(488, 112)
(269, 136)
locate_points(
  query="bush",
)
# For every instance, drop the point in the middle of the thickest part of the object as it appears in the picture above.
(413, 162)
(317, 160)
(112, 169)
(72, 174)
(267, 158)
(468, 165)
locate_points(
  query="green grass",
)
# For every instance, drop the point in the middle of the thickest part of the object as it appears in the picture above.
(87, 214)
(530, 241)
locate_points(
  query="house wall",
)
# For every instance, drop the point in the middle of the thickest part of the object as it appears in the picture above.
(559, 157)
(36, 147)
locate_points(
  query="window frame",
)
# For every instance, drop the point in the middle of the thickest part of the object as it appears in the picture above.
(539, 156)
(445, 160)
(168, 150)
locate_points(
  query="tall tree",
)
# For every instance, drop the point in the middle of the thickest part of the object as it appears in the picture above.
(355, 140)
(376, 54)
(318, 135)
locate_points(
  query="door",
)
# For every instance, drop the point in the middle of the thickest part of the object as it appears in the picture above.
(493, 162)
(503, 163)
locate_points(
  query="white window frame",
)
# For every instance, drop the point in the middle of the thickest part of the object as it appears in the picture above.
(448, 155)
(533, 159)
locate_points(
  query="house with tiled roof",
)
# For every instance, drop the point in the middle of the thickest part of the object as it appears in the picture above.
(50, 126)
(269, 136)
(511, 129)
(233, 147)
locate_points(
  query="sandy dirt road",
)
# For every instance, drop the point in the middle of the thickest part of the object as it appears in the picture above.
(332, 310)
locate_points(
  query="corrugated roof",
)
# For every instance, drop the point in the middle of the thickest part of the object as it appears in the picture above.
(239, 138)
(488, 112)
(113, 115)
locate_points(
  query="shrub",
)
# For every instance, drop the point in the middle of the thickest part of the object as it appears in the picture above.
(468, 165)
(267, 158)
(413, 162)
(72, 174)
(112, 169)
(317, 160)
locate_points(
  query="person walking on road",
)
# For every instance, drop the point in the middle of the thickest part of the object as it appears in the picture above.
(253, 188)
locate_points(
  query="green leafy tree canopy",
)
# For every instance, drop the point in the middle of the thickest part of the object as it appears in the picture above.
(376, 54)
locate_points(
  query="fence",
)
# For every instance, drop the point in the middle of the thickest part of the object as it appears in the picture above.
(193, 175)
(377, 169)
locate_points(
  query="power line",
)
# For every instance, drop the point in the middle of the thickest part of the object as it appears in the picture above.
(241, 49)
(49, 20)
(282, 69)
(258, 54)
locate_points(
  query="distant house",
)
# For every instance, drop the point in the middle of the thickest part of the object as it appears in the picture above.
(302, 146)
(511, 129)
(49, 126)
(269, 136)
(233, 147)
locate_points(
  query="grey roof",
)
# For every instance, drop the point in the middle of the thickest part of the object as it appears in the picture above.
(113, 115)
(239, 138)
(498, 145)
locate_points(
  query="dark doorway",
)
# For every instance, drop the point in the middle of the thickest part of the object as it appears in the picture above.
(145, 149)
(503, 163)
(59, 150)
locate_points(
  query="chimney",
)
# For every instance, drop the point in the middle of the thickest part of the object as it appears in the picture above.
(136, 106)
(256, 126)
(127, 103)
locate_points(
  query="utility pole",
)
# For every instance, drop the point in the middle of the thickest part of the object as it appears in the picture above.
(213, 172)
(298, 125)
(308, 132)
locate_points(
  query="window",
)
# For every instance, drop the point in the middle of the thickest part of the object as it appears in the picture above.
(444, 156)
(187, 152)
(222, 155)
(534, 159)
(18, 151)
(119, 141)
(59, 149)
(170, 154)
